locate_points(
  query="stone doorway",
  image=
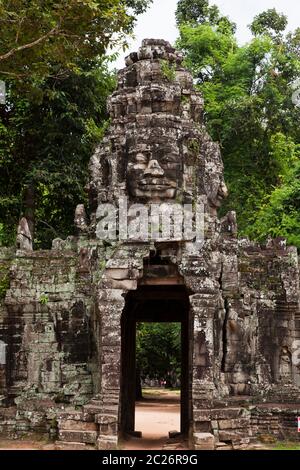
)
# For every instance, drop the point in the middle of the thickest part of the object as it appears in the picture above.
(157, 304)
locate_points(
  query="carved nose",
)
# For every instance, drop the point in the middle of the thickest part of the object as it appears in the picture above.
(154, 169)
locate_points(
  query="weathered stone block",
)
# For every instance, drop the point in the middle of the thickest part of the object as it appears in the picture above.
(234, 423)
(88, 437)
(106, 419)
(233, 435)
(77, 425)
(204, 441)
(107, 443)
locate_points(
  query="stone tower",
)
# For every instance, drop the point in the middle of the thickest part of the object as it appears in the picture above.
(157, 148)
(67, 322)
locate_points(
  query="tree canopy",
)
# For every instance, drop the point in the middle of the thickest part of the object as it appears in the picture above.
(269, 22)
(248, 93)
(51, 38)
(53, 62)
(158, 351)
(45, 146)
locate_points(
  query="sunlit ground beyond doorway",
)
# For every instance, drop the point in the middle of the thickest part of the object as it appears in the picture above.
(156, 415)
(158, 373)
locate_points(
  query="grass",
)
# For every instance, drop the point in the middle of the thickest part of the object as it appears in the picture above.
(286, 445)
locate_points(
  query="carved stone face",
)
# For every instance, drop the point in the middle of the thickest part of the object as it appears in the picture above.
(153, 177)
(222, 194)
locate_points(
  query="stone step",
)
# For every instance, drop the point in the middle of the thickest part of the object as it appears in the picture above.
(86, 437)
(237, 423)
(204, 441)
(106, 418)
(234, 435)
(63, 445)
(69, 424)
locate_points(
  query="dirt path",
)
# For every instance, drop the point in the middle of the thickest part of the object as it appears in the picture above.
(25, 445)
(155, 416)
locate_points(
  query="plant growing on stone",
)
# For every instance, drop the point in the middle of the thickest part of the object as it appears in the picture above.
(194, 146)
(168, 71)
(44, 299)
(184, 99)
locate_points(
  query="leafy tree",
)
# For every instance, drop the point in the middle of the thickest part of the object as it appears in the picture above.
(46, 38)
(200, 12)
(197, 11)
(158, 351)
(249, 110)
(269, 22)
(279, 214)
(57, 81)
(45, 146)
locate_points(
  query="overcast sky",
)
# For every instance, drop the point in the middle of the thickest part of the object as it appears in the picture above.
(159, 20)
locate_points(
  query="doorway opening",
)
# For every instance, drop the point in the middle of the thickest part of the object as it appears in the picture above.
(163, 310)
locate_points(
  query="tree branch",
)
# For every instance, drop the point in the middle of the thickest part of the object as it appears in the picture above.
(13, 51)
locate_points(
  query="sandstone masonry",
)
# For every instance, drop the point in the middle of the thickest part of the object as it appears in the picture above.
(63, 312)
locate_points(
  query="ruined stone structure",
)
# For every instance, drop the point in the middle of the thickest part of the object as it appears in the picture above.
(67, 316)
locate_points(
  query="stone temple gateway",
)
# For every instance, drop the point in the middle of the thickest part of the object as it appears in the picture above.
(67, 315)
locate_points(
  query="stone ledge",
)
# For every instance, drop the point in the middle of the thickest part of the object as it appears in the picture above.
(61, 445)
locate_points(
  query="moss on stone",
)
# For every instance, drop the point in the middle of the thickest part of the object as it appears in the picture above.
(4, 281)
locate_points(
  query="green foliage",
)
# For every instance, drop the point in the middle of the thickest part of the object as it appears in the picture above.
(197, 11)
(46, 141)
(50, 38)
(57, 81)
(138, 6)
(168, 70)
(158, 350)
(269, 22)
(44, 299)
(285, 445)
(248, 102)
(200, 12)
(279, 214)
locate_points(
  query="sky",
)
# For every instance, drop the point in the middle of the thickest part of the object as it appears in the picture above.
(159, 20)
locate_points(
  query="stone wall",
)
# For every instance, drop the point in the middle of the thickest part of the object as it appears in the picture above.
(48, 324)
(260, 287)
(279, 422)
(6, 258)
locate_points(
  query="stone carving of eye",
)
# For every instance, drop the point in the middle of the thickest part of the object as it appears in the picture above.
(140, 158)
